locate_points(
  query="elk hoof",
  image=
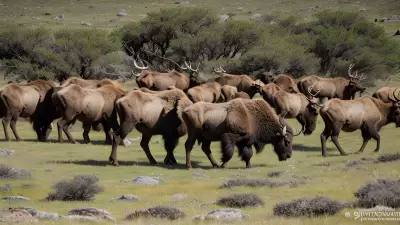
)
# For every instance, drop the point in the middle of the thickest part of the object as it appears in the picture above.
(376, 150)
(115, 163)
(215, 166)
(344, 154)
(359, 152)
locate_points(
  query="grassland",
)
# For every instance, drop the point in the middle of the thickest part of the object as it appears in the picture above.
(51, 162)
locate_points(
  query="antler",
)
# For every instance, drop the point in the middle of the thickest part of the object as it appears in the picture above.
(182, 68)
(355, 76)
(219, 70)
(313, 95)
(190, 67)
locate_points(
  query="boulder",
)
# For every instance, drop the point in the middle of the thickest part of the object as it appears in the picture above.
(15, 215)
(224, 214)
(99, 214)
(128, 197)
(15, 198)
(147, 180)
(121, 14)
(47, 216)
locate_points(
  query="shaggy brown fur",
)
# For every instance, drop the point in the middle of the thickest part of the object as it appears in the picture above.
(161, 81)
(240, 122)
(337, 87)
(155, 113)
(208, 92)
(91, 83)
(90, 106)
(286, 83)
(27, 101)
(385, 94)
(241, 82)
(268, 91)
(365, 113)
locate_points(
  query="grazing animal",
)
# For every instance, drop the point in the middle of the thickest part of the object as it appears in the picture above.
(90, 83)
(208, 92)
(385, 94)
(152, 113)
(268, 91)
(337, 87)
(284, 81)
(30, 100)
(230, 92)
(90, 106)
(365, 113)
(240, 122)
(241, 82)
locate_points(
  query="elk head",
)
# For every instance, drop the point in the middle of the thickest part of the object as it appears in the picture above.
(311, 114)
(396, 106)
(219, 70)
(355, 81)
(268, 77)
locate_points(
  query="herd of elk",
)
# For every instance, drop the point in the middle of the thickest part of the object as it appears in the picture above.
(174, 104)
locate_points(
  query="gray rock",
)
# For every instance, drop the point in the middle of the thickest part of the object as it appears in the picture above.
(224, 17)
(178, 197)
(100, 214)
(378, 208)
(121, 14)
(224, 214)
(147, 180)
(122, 10)
(239, 8)
(255, 16)
(80, 218)
(6, 152)
(15, 215)
(47, 216)
(128, 198)
(15, 198)
(5, 188)
(31, 210)
(362, 9)
(61, 16)
(86, 24)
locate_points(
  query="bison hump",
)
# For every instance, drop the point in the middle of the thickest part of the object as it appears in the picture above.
(238, 118)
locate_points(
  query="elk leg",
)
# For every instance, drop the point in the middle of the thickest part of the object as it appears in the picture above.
(170, 144)
(334, 136)
(144, 143)
(6, 122)
(205, 146)
(13, 124)
(375, 135)
(119, 135)
(227, 148)
(47, 132)
(366, 137)
(86, 130)
(190, 141)
(108, 132)
(324, 135)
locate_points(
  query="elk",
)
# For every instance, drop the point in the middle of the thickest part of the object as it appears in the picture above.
(284, 81)
(239, 122)
(208, 92)
(385, 94)
(337, 87)
(366, 113)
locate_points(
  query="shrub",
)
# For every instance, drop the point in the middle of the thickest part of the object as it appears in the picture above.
(13, 173)
(315, 206)
(384, 192)
(390, 157)
(241, 200)
(161, 212)
(259, 183)
(274, 174)
(81, 188)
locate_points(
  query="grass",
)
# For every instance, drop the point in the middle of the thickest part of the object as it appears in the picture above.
(103, 13)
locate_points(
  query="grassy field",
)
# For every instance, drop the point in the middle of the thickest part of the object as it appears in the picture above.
(51, 162)
(103, 13)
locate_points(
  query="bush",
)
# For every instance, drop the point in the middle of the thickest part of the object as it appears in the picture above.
(384, 192)
(259, 183)
(316, 206)
(12, 173)
(390, 157)
(241, 200)
(161, 212)
(81, 188)
(274, 174)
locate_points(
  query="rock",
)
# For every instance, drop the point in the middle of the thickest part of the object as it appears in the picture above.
(224, 17)
(15, 198)
(255, 16)
(15, 215)
(362, 9)
(80, 218)
(239, 8)
(47, 216)
(378, 208)
(100, 214)
(31, 210)
(5, 188)
(178, 197)
(127, 142)
(128, 198)
(61, 16)
(121, 14)
(147, 180)
(122, 10)
(225, 214)
(86, 24)
(6, 152)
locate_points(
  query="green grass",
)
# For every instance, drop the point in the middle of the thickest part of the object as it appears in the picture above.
(102, 13)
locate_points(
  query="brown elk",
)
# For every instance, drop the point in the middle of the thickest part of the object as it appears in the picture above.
(284, 81)
(90, 106)
(230, 92)
(90, 83)
(299, 106)
(152, 113)
(337, 87)
(242, 82)
(365, 113)
(31, 100)
(208, 92)
(239, 122)
(385, 94)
